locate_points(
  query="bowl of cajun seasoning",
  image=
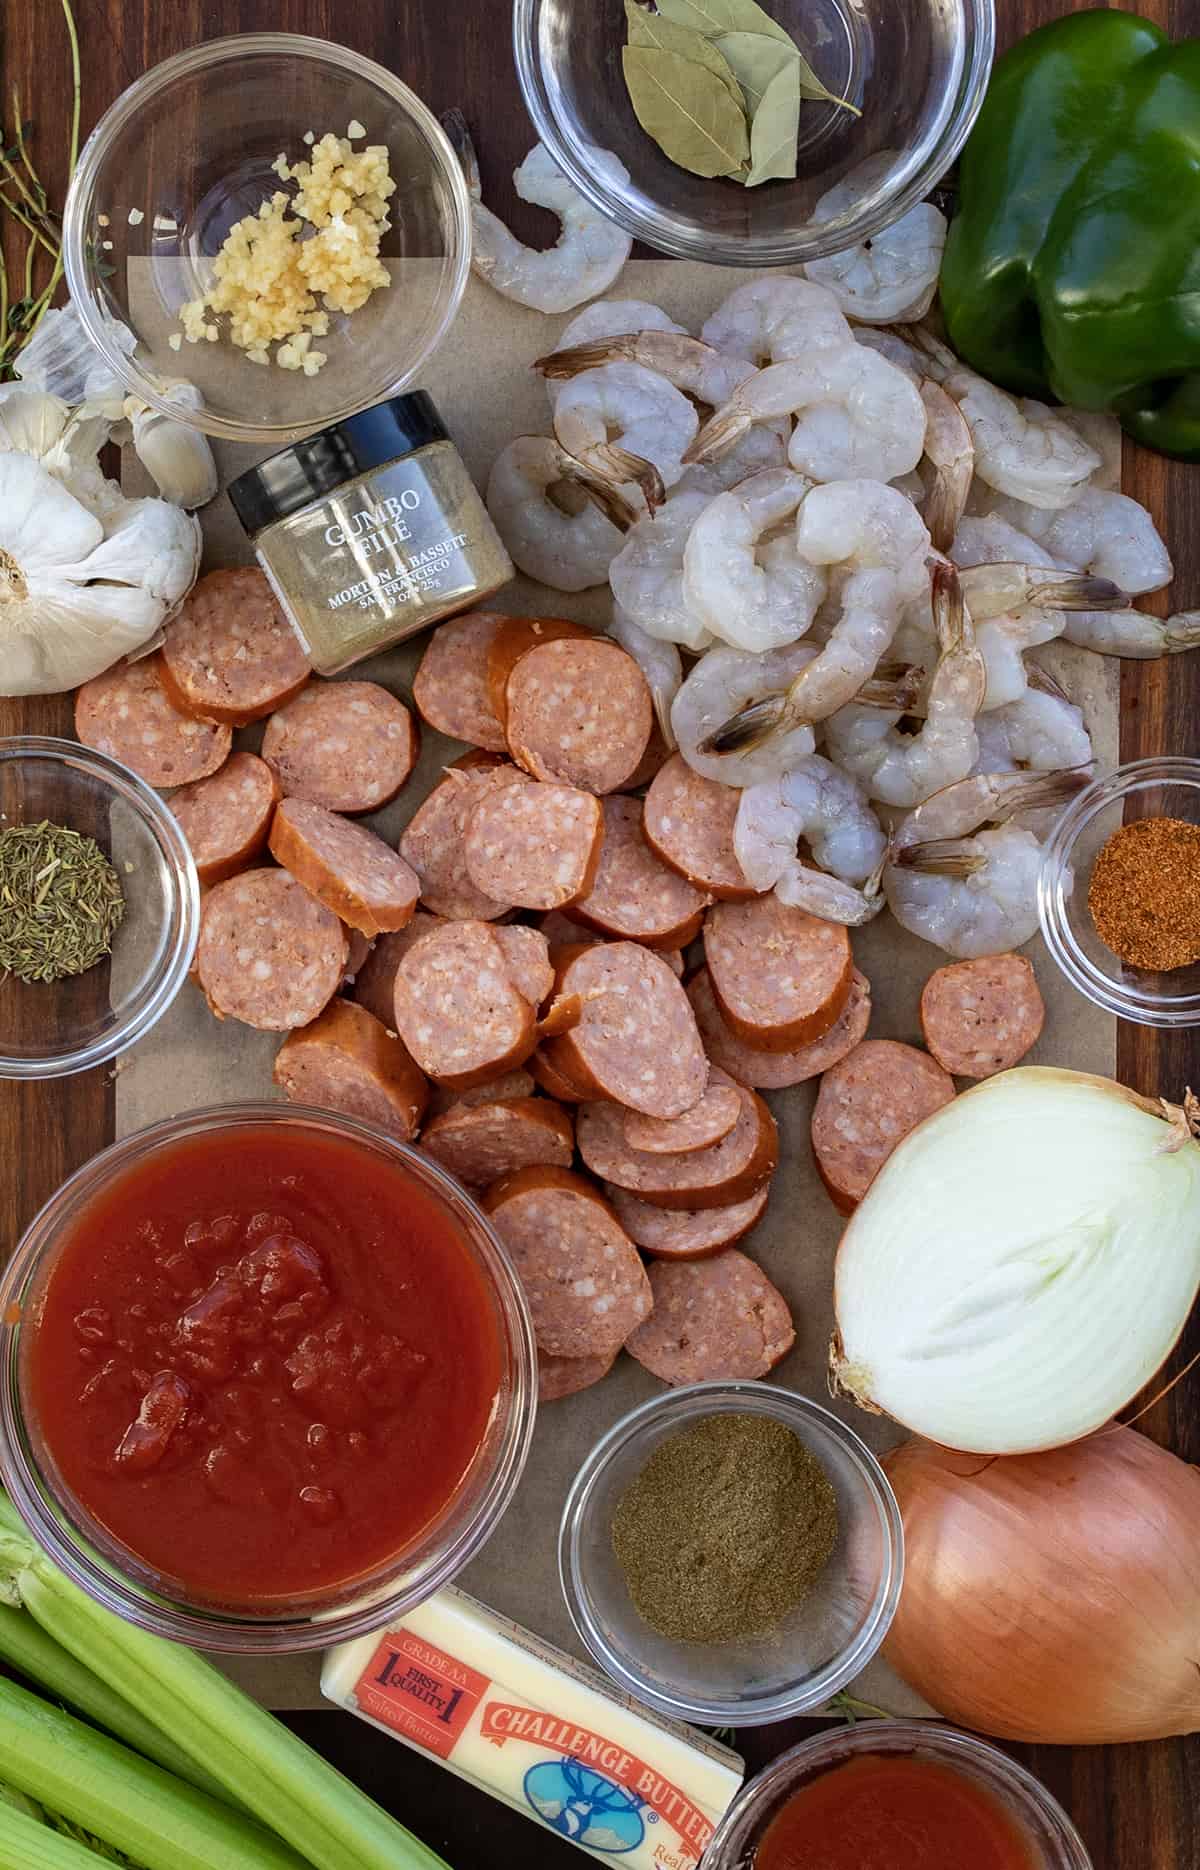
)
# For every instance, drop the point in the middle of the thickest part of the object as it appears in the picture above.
(731, 1553)
(1119, 892)
(99, 908)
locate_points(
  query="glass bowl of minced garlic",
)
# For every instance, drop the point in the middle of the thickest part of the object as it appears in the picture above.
(275, 221)
(99, 908)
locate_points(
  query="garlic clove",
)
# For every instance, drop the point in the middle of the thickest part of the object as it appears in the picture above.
(41, 522)
(31, 421)
(178, 458)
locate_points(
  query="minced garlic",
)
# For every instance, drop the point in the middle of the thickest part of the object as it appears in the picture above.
(268, 279)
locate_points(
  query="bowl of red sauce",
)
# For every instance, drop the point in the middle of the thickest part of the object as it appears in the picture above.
(894, 1795)
(269, 1378)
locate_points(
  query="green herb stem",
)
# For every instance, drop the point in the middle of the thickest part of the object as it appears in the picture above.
(105, 1788)
(27, 1648)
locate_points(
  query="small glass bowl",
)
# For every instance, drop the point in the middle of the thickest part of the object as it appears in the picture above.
(825, 1642)
(51, 1029)
(1161, 787)
(108, 1571)
(184, 153)
(918, 68)
(1052, 1838)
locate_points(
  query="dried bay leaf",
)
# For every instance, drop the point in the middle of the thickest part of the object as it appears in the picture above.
(776, 129)
(755, 59)
(812, 88)
(687, 110)
(665, 35)
(713, 17)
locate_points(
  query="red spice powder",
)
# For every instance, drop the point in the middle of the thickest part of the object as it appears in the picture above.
(1144, 895)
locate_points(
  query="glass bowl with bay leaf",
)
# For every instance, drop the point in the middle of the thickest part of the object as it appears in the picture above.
(99, 908)
(731, 1553)
(748, 134)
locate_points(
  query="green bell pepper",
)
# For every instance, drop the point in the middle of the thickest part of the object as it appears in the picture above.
(1072, 269)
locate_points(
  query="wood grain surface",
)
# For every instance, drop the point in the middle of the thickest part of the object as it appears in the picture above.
(1137, 1807)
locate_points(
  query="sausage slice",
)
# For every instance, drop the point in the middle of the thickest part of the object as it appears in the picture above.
(712, 1318)
(481, 1143)
(348, 746)
(566, 1376)
(633, 896)
(774, 1071)
(231, 655)
(780, 976)
(502, 1090)
(534, 846)
(528, 955)
(375, 981)
(450, 688)
(726, 1172)
(347, 1061)
(127, 713)
(515, 637)
(585, 1283)
(269, 953)
(434, 840)
(980, 1017)
(458, 1009)
(579, 712)
(683, 1234)
(689, 824)
(346, 867)
(636, 1040)
(866, 1105)
(704, 1124)
(226, 818)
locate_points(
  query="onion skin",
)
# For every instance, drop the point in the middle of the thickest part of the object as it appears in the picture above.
(1052, 1597)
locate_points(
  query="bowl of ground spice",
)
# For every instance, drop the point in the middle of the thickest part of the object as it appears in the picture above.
(1119, 892)
(99, 908)
(731, 1553)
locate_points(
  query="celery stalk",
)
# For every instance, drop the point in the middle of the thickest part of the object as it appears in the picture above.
(26, 1647)
(27, 1845)
(125, 1800)
(258, 1761)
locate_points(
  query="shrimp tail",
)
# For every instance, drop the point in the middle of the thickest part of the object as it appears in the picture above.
(951, 619)
(459, 138)
(602, 493)
(1182, 632)
(1038, 790)
(895, 687)
(941, 359)
(1043, 682)
(719, 434)
(750, 727)
(942, 857)
(614, 463)
(993, 590)
(558, 365)
(951, 452)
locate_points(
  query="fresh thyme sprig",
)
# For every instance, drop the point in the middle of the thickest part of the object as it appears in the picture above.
(23, 197)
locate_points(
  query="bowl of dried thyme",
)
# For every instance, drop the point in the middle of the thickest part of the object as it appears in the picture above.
(99, 908)
(731, 1553)
(1119, 892)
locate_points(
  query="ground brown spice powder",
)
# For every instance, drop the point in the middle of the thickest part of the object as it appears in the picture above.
(726, 1529)
(1145, 893)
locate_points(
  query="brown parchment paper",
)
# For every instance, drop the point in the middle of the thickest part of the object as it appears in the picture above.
(487, 394)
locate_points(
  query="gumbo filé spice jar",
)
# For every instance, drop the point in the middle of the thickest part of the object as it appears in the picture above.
(370, 530)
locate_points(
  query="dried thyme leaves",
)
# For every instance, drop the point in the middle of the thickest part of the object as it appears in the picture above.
(60, 902)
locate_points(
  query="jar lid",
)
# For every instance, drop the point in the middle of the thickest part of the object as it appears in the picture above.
(321, 463)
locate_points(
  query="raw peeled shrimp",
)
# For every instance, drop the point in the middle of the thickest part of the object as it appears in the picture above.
(1133, 632)
(590, 251)
(856, 413)
(698, 369)
(974, 895)
(875, 539)
(1101, 532)
(775, 318)
(764, 446)
(751, 594)
(1003, 642)
(723, 681)
(605, 318)
(892, 277)
(1042, 730)
(1022, 448)
(659, 662)
(647, 573)
(626, 424)
(569, 551)
(819, 802)
(902, 769)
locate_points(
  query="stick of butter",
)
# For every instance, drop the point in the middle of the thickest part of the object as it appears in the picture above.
(521, 1720)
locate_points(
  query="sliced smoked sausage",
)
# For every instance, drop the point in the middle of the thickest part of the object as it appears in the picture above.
(980, 1017)
(226, 818)
(502, 1090)
(458, 1009)
(269, 953)
(347, 1061)
(482, 1143)
(127, 713)
(717, 1177)
(346, 867)
(866, 1105)
(536, 846)
(585, 1283)
(689, 824)
(704, 1124)
(579, 712)
(450, 688)
(780, 976)
(683, 1234)
(712, 1318)
(774, 1071)
(512, 640)
(528, 955)
(348, 746)
(636, 1040)
(434, 840)
(375, 981)
(231, 655)
(633, 896)
(566, 1376)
